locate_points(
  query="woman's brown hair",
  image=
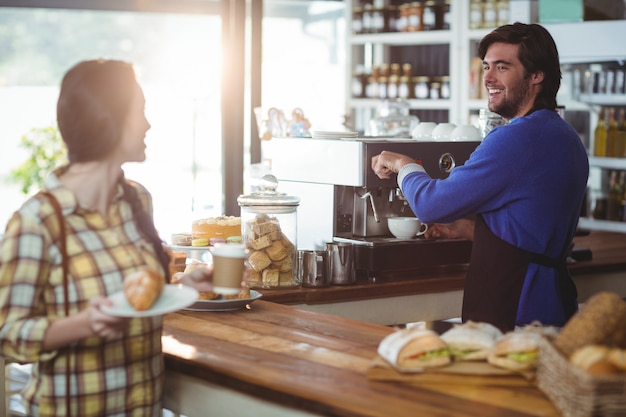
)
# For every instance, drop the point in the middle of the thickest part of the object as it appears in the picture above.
(91, 112)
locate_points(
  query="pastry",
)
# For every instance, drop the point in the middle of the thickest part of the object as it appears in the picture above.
(143, 288)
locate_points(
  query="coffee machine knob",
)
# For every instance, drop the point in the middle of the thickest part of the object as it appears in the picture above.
(446, 163)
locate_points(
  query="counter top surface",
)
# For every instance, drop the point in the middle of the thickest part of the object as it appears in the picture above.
(607, 256)
(318, 362)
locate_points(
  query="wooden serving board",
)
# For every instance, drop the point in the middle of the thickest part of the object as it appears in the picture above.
(468, 372)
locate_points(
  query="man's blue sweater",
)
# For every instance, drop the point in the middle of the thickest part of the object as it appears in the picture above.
(528, 180)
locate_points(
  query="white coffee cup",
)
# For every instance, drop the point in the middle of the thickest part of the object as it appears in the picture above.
(406, 227)
(228, 267)
(423, 131)
(442, 132)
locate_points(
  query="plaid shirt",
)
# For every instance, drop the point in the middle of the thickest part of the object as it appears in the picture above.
(121, 377)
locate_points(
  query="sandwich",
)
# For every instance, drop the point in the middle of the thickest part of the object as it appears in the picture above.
(471, 341)
(594, 359)
(516, 351)
(414, 350)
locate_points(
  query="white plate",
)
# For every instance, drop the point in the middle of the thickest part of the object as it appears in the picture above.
(224, 305)
(186, 248)
(173, 298)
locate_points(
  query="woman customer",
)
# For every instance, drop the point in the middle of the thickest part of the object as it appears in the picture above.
(112, 366)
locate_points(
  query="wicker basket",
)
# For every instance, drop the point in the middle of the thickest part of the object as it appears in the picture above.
(575, 392)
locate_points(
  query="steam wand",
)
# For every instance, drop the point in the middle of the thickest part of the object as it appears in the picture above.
(369, 194)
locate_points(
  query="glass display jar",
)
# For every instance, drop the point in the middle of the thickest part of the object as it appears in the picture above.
(393, 119)
(269, 231)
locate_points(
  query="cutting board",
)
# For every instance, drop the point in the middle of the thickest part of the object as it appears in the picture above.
(468, 372)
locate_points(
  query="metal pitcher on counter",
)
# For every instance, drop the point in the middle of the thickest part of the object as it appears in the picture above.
(341, 259)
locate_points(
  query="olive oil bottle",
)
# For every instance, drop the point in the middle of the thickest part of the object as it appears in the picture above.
(620, 139)
(600, 136)
(611, 135)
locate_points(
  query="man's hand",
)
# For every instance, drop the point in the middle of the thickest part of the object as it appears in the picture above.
(388, 163)
(460, 229)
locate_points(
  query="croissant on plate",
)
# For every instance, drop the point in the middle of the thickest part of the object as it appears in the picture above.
(143, 288)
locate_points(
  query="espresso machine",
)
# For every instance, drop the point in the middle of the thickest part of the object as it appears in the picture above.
(343, 200)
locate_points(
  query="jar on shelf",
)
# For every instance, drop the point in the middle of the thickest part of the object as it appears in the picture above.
(415, 23)
(357, 20)
(391, 18)
(402, 22)
(490, 14)
(476, 14)
(435, 90)
(404, 87)
(269, 232)
(366, 19)
(421, 86)
(429, 15)
(392, 86)
(382, 87)
(378, 23)
(445, 87)
(502, 7)
(443, 15)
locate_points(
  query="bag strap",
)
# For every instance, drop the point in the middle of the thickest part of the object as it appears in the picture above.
(65, 265)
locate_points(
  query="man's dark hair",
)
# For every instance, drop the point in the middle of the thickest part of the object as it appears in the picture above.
(537, 53)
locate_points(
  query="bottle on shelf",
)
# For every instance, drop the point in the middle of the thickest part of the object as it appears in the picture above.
(600, 136)
(616, 196)
(611, 134)
(490, 14)
(620, 139)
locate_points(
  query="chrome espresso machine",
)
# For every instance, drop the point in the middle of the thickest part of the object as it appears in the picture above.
(341, 199)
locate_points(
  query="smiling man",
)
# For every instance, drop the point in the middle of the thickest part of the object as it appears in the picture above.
(519, 195)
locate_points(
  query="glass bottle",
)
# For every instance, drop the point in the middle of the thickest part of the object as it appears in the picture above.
(415, 23)
(444, 16)
(357, 20)
(402, 22)
(420, 86)
(616, 194)
(600, 136)
(620, 139)
(611, 135)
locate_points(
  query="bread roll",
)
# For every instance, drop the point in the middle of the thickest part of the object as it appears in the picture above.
(618, 358)
(517, 351)
(599, 322)
(414, 349)
(143, 288)
(594, 359)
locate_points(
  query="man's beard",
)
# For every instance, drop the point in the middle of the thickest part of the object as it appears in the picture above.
(516, 96)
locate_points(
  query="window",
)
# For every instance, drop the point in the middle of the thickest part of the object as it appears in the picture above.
(178, 59)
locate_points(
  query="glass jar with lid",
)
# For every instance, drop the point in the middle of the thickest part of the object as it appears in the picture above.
(269, 232)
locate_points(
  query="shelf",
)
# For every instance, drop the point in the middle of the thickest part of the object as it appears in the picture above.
(603, 99)
(604, 225)
(425, 104)
(607, 163)
(432, 37)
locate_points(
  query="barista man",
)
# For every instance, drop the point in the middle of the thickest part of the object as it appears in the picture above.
(522, 188)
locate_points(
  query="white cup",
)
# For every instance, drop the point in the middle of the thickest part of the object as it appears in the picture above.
(406, 227)
(442, 132)
(464, 133)
(423, 131)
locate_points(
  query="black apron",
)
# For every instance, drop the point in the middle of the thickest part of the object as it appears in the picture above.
(496, 276)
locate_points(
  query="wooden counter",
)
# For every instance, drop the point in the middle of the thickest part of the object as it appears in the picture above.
(436, 293)
(274, 360)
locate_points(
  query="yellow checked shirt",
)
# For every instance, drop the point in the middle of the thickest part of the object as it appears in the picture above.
(121, 377)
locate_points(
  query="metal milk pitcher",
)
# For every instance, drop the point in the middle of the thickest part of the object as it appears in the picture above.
(341, 259)
(313, 268)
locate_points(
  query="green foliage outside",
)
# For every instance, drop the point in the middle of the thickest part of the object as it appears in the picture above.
(47, 151)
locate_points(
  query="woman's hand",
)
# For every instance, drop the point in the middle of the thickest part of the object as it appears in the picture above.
(103, 325)
(200, 278)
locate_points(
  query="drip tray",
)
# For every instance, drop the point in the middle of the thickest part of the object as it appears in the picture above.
(389, 258)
